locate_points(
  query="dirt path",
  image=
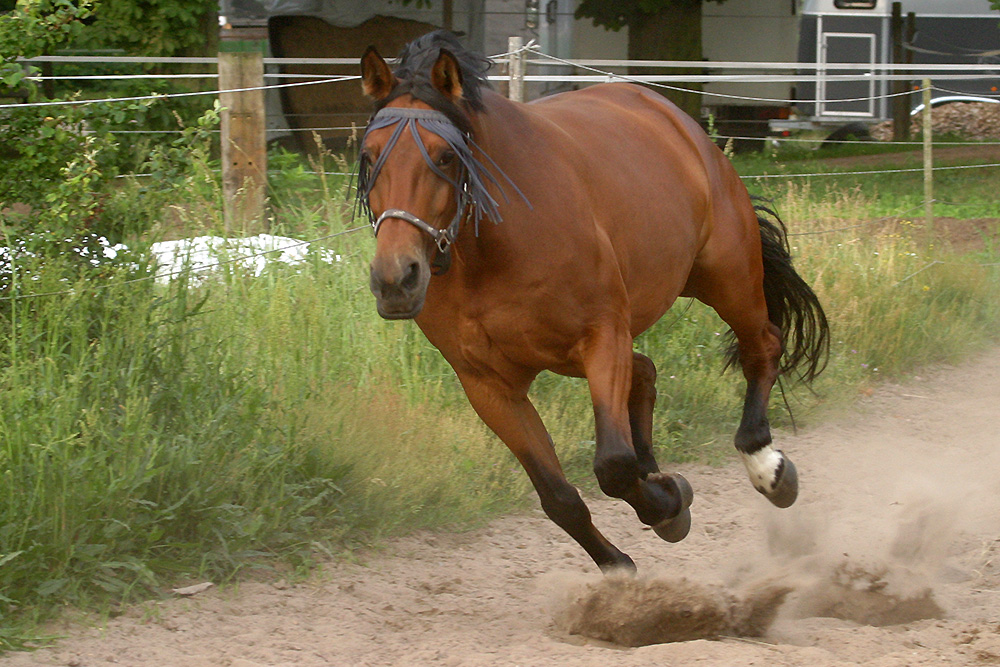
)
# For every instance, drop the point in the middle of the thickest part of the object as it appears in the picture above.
(942, 155)
(899, 513)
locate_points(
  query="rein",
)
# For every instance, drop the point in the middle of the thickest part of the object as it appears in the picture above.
(472, 199)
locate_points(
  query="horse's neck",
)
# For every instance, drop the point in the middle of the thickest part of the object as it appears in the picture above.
(498, 257)
(494, 141)
(490, 124)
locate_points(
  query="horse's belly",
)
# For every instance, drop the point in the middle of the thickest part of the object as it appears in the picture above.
(654, 276)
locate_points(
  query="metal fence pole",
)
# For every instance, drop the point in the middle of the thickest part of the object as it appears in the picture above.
(928, 158)
(900, 103)
(902, 35)
(516, 59)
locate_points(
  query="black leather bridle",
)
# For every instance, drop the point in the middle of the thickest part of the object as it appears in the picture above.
(472, 199)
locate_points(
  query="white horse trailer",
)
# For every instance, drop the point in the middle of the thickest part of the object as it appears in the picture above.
(843, 46)
(858, 34)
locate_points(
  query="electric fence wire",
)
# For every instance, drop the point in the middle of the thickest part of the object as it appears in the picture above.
(640, 80)
(872, 171)
(163, 96)
(530, 47)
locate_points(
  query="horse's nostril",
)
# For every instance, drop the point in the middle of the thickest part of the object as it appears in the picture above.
(411, 277)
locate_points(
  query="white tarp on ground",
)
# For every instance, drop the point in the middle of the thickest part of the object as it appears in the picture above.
(199, 257)
(204, 254)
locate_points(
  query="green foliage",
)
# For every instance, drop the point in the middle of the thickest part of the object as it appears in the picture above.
(36, 27)
(69, 207)
(153, 27)
(142, 27)
(962, 193)
(133, 453)
(40, 142)
(57, 220)
(36, 147)
(617, 14)
(169, 164)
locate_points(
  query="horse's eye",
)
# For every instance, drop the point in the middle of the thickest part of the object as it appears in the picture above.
(446, 158)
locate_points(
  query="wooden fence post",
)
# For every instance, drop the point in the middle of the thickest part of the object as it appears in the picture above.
(928, 159)
(244, 137)
(516, 60)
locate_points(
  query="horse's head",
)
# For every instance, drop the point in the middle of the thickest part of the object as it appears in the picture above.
(414, 173)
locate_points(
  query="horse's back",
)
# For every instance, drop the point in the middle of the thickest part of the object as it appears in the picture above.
(655, 184)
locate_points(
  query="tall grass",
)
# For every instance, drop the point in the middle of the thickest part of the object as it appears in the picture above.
(151, 435)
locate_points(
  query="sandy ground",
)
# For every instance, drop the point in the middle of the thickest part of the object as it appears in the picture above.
(897, 520)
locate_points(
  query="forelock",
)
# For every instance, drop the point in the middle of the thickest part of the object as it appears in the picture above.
(413, 71)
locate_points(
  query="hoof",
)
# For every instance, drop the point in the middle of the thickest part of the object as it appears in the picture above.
(675, 485)
(786, 489)
(622, 567)
(677, 527)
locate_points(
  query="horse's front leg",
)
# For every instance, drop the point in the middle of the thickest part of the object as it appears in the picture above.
(621, 387)
(641, 400)
(505, 408)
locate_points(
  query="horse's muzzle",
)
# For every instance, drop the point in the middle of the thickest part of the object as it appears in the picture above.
(399, 285)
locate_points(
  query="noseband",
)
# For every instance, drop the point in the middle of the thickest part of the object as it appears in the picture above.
(472, 199)
(443, 238)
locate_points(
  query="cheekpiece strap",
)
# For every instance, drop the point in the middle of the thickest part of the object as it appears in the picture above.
(472, 197)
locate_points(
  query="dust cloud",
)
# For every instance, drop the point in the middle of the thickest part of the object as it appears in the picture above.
(638, 611)
(870, 568)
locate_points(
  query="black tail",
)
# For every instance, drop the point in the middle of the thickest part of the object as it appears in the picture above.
(792, 306)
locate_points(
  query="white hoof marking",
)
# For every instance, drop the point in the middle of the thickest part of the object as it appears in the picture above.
(762, 467)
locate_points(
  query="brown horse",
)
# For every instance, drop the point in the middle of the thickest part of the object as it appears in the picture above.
(526, 237)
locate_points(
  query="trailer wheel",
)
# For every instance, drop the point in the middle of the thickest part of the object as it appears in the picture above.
(849, 132)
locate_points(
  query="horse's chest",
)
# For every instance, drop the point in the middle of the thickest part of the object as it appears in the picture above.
(496, 343)
(531, 326)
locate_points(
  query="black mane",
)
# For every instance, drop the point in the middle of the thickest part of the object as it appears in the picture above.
(413, 70)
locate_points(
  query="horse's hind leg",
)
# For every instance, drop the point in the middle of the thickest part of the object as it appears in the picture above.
(770, 471)
(509, 413)
(741, 304)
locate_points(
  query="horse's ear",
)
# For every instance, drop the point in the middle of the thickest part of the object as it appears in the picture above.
(446, 76)
(377, 79)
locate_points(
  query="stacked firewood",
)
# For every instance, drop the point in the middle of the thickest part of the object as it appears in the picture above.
(974, 121)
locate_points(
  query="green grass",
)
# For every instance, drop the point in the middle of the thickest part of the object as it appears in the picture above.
(159, 435)
(959, 193)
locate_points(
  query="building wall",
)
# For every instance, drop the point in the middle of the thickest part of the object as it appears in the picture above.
(750, 31)
(341, 104)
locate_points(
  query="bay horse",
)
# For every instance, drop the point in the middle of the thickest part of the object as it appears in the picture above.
(547, 236)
